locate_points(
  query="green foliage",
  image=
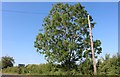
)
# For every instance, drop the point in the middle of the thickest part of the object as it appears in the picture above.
(105, 66)
(12, 70)
(7, 61)
(66, 35)
(86, 67)
(109, 66)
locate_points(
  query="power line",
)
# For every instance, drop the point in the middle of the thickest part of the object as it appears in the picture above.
(24, 12)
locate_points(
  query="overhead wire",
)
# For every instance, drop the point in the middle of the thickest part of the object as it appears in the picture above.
(24, 12)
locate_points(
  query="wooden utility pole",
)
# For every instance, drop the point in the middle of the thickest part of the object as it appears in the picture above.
(93, 56)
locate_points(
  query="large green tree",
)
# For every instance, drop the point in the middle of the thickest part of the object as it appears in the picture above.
(66, 37)
(7, 61)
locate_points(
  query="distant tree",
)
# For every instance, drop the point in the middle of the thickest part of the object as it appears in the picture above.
(66, 37)
(7, 61)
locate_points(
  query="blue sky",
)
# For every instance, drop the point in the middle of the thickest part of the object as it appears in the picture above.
(60, 0)
(21, 23)
(0, 30)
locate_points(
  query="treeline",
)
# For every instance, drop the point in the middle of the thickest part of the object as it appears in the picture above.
(105, 66)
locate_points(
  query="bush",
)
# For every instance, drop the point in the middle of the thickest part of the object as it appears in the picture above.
(13, 70)
(105, 67)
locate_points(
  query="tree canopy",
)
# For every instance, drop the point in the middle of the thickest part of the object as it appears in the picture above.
(7, 61)
(66, 38)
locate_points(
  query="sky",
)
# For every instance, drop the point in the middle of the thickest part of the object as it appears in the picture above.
(0, 30)
(60, 0)
(21, 22)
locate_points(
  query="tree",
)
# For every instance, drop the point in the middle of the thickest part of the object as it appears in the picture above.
(7, 61)
(66, 37)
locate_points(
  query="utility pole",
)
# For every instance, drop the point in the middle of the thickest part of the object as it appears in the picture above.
(93, 56)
